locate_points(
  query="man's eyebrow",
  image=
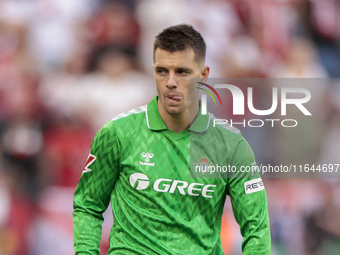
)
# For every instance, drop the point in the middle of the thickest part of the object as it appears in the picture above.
(160, 68)
(183, 69)
(178, 69)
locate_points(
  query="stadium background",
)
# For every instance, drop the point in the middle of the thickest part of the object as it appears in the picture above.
(66, 67)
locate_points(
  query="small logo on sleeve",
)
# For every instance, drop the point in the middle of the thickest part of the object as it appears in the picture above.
(90, 159)
(253, 186)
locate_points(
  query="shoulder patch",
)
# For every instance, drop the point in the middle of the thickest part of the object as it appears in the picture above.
(253, 186)
(90, 159)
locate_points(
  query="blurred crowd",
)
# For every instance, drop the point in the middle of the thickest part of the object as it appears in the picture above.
(68, 67)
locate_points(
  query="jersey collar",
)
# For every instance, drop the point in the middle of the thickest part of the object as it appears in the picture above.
(201, 123)
(153, 119)
(155, 122)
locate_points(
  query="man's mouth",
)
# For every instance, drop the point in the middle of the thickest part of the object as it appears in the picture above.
(174, 98)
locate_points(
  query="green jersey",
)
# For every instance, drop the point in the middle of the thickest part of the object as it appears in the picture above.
(164, 201)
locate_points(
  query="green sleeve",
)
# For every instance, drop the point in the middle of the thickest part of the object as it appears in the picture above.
(250, 210)
(92, 195)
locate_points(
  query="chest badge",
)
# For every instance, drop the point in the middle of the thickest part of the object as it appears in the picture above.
(203, 167)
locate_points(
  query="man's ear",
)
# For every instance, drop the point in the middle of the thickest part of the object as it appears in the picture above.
(153, 66)
(205, 74)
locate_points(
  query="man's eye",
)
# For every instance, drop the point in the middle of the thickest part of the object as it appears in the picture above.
(161, 72)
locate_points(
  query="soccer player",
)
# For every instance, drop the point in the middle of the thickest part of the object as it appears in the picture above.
(143, 161)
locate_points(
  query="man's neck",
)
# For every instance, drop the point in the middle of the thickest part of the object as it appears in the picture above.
(180, 122)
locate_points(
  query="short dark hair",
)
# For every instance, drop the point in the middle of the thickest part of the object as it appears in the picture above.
(179, 38)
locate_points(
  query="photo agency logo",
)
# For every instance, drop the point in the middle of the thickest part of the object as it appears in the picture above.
(239, 103)
(204, 96)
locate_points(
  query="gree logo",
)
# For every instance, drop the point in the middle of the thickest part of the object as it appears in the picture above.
(140, 180)
(204, 96)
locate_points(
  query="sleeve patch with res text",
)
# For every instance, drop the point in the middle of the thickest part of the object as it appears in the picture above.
(253, 186)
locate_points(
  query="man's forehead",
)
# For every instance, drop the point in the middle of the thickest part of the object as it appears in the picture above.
(185, 57)
(186, 53)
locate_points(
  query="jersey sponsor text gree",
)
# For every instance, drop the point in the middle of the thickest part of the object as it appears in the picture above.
(168, 185)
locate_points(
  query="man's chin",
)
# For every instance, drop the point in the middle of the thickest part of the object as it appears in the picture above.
(174, 110)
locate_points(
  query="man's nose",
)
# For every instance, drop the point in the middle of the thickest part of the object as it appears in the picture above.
(172, 81)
